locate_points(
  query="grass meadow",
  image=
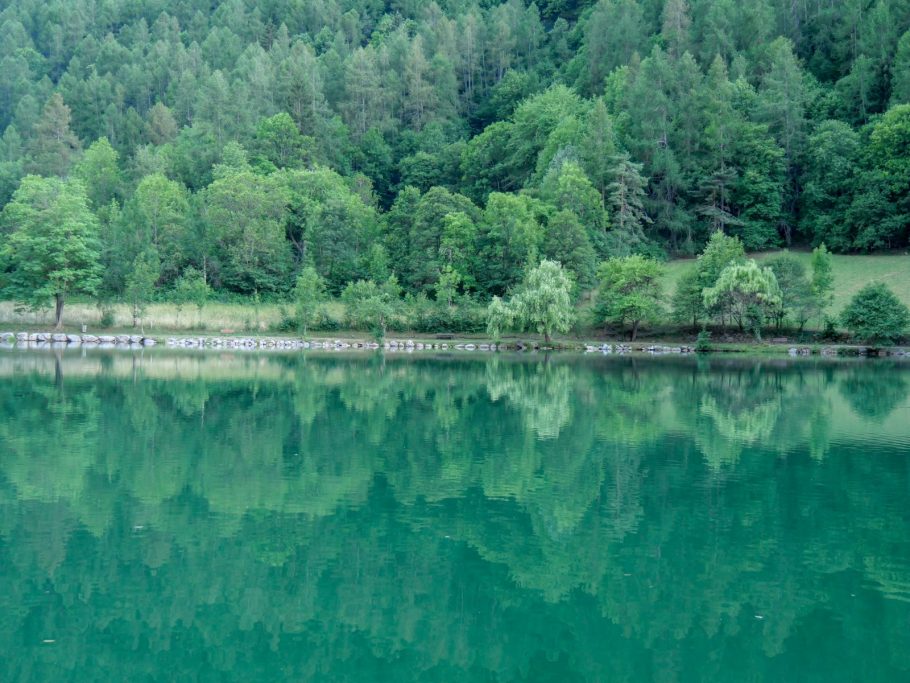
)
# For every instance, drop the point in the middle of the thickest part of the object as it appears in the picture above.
(851, 273)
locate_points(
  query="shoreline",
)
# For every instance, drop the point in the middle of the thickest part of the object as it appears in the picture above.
(423, 343)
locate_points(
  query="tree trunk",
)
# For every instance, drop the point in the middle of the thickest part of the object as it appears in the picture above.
(58, 313)
(634, 330)
(546, 336)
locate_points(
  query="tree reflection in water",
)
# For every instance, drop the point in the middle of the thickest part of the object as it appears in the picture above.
(367, 518)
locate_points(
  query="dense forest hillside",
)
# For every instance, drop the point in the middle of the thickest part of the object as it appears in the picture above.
(450, 143)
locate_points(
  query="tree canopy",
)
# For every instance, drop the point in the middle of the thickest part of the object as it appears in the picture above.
(50, 245)
(874, 315)
(249, 143)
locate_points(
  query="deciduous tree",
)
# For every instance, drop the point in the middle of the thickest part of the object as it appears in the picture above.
(748, 291)
(629, 292)
(876, 316)
(50, 249)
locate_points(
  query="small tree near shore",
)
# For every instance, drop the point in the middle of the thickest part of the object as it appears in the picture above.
(822, 282)
(140, 285)
(876, 316)
(688, 301)
(499, 318)
(191, 288)
(748, 291)
(630, 291)
(543, 303)
(370, 306)
(51, 247)
(309, 293)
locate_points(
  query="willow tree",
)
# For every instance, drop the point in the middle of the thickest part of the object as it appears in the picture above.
(750, 293)
(51, 249)
(544, 301)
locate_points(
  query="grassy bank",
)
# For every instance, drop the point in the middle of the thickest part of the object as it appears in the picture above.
(215, 317)
(851, 273)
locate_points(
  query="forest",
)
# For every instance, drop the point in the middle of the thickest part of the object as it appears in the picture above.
(450, 146)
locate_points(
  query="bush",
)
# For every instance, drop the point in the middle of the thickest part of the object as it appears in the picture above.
(876, 316)
(107, 317)
(829, 331)
(703, 342)
(286, 322)
(325, 323)
(431, 317)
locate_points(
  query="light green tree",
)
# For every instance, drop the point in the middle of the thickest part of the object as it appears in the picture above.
(51, 247)
(447, 285)
(99, 171)
(140, 284)
(720, 252)
(309, 293)
(630, 291)
(156, 214)
(748, 291)
(499, 318)
(192, 288)
(544, 301)
(370, 306)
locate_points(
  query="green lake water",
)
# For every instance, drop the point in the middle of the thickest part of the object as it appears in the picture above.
(176, 516)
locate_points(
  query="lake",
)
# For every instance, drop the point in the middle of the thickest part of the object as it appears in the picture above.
(197, 516)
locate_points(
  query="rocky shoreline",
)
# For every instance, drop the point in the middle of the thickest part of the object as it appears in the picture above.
(62, 339)
(42, 340)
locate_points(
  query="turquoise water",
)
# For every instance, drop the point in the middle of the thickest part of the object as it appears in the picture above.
(227, 517)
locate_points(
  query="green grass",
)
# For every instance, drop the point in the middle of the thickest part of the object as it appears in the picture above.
(214, 318)
(851, 273)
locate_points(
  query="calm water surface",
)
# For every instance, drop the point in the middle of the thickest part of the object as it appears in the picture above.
(206, 517)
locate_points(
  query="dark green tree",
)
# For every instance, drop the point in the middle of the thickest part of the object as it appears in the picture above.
(876, 316)
(53, 147)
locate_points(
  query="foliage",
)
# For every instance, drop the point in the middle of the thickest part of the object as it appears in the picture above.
(797, 301)
(309, 294)
(720, 252)
(140, 284)
(703, 341)
(370, 306)
(499, 318)
(876, 316)
(629, 291)
(191, 288)
(248, 142)
(688, 303)
(822, 283)
(749, 292)
(50, 249)
(542, 303)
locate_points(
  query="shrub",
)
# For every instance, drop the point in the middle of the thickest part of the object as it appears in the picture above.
(876, 316)
(107, 317)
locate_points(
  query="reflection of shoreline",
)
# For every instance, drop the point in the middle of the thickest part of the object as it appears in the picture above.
(645, 491)
(724, 403)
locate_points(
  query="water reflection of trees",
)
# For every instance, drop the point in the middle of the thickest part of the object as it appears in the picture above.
(352, 510)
